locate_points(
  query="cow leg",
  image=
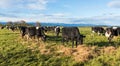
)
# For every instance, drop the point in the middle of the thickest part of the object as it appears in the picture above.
(37, 38)
(99, 33)
(27, 37)
(57, 34)
(30, 37)
(72, 44)
(110, 38)
(23, 35)
(76, 44)
(34, 37)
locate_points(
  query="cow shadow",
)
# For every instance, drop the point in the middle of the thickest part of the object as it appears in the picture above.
(105, 44)
(9, 33)
(54, 38)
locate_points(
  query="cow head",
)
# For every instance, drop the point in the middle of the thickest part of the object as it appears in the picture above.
(44, 37)
(81, 38)
(108, 32)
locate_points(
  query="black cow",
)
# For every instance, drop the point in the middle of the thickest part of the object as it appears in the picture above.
(2, 27)
(22, 30)
(57, 31)
(73, 34)
(99, 30)
(111, 32)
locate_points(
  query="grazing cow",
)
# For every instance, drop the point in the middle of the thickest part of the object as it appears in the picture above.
(57, 31)
(44, 28)
(40, 33)
(12, 28)
(32, 32)
(98, 30)
(111, 32)
(1, 27)
(22, 30)
(73, 34)
(7, 27)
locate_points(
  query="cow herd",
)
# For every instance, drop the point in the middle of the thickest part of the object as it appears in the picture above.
(109, 32)
(68, 33)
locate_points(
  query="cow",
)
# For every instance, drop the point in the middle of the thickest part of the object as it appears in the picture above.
(99, 30)
(44, 28)
(57, 31)
(23, 30)
(1, 27)
(73, 34)
(11, 28)
(40, 33)
(32, 32)
(111, 32)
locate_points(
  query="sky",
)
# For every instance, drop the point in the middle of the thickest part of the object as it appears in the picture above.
(99, 12)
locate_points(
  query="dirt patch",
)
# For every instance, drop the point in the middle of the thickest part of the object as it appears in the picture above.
(83, 53)
(80, 54)
(43, 49)
(109, 50)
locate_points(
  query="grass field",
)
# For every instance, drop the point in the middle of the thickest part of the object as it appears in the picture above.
(96, 51)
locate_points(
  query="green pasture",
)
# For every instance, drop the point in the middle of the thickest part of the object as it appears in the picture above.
(15, 51)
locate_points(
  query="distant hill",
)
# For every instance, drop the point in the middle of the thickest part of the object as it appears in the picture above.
(60, 24)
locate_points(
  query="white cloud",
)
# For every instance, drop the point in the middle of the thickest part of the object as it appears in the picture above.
(55, 18)
(24, 4)
(100, 20)
(38, 4)
(114, 3)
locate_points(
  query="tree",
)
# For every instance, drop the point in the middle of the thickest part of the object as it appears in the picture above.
(9, 23)
(23, 23)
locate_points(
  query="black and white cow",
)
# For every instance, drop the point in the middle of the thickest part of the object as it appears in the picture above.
(99, 30)
(73, 34)
(40, 33)
(13, 28)
(111, 32)
(32, 32)
(57, 31)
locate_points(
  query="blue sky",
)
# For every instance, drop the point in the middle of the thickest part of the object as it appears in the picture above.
(62, 11)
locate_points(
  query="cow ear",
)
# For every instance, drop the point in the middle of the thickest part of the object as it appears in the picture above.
(84, 36)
